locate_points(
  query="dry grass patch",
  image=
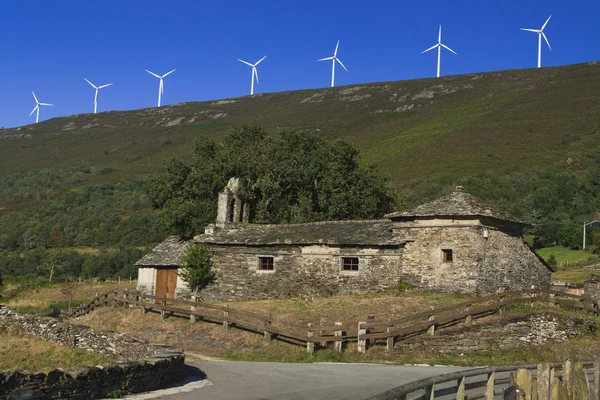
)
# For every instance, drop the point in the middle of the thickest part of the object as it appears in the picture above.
(349, 307)
(18, 352)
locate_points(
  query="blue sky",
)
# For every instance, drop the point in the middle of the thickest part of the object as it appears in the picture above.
(50, 46)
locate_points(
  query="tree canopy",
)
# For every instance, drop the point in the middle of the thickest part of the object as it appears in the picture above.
(289, 177)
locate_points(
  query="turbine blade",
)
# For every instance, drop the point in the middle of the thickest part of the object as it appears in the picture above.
(447, 48)
(336, 48)
(259, 61)
(168, 73)
(343, 66)
(46, 104)
(94, 86)
(36, 100)
(34, 108)
(255, 74)
(531, 30)
(546, 39)
(245, 62)
(546, 23)
(103, 86)
(326, 58)
(152, 73)
(431, 48)
(440, 35)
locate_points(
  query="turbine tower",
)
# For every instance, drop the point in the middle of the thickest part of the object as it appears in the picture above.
(540, 33)
(254, 72)
(37, 108)
(333, 59)
(160, 86)
(439, 46)
(96, 96)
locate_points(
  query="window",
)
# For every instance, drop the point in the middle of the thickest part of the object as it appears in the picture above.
(350, 264)
(447, 255)
(265, 263)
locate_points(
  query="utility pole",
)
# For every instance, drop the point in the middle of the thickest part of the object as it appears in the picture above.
(586, 224)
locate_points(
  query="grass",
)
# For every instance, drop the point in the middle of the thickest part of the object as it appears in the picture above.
(563, 254)
(38, 296)
(577, 277)
(20, 353)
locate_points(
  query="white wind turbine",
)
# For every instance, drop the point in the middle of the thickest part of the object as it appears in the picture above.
(254, 72)
(540, 33)
(160, 86)
(37, 108)
(439, 46)
(96, 96)
(333, 59)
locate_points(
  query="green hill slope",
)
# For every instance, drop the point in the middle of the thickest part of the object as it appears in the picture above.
(457, 125)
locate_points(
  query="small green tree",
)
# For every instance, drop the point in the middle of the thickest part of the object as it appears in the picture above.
(196, 270)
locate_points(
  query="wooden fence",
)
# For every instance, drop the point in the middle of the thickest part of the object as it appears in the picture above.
(365, 332)
(546, 381)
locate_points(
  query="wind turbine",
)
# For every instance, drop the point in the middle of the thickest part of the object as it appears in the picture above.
(37, 108)
(96, 96)
(254, 72)
(540, 33)
(439, 46)
(333, 59)
(160, 86)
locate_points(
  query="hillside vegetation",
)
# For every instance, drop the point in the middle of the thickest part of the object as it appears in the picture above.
(525, 140)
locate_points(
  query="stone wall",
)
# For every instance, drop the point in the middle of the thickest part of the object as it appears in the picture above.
(144, 367)
(300, 270)
(500, 333)
(591, 287)
(501, 262)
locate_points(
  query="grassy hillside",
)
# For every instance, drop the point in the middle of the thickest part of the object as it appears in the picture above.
(455, 126)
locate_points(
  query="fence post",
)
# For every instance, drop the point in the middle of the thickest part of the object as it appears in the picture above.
(125, 299)
(322, 322)
(226, 317)
(469, 318)
(431, 329)
(430, 392)
(192, 311)
(310, 346)
(162, 312)
(567, 374)
(389, 341)
(502, 308)
(267, 332)
(362, 343)
(460, 393)
(338, 345)
(597, 376)
(489, 388)
(544, 383)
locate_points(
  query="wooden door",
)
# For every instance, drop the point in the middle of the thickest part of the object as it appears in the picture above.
(166, 282)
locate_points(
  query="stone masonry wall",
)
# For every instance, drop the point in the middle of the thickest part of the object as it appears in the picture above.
(300, 270)
(509, 264)
(503, 333)
(144, 367)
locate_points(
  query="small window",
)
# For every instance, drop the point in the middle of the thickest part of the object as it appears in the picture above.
(350, 264)
(265, 263)
(447, 255)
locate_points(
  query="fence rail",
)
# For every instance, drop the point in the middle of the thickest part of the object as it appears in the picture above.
(364, 332)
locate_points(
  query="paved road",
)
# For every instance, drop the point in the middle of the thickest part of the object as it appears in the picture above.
(228, 380)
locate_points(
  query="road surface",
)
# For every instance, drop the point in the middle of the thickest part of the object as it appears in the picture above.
(228, 380)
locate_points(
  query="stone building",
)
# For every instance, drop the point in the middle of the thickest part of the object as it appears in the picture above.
(453, 244)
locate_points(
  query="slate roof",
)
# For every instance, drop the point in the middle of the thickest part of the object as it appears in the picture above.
(458, 203)
(358, 233)
(167, 254)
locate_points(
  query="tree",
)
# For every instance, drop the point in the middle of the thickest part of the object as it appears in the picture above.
(290, 177)
(196, 270)
(55, 262)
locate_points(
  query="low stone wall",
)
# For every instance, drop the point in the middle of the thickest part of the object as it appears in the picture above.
(501, 333)
(145, 366)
